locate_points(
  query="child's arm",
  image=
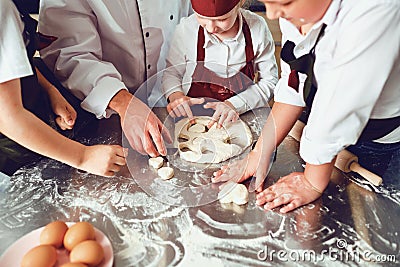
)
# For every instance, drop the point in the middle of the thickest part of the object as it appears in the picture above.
(296, 189)
(66, 114)
(23, 127)
(279, 122)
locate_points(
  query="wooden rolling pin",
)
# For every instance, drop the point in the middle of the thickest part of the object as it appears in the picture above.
(345, 160)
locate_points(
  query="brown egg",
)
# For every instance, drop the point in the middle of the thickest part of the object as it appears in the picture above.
(74, 264)
(77, 233)
(53, 234)
(89, 252)
(42, 255)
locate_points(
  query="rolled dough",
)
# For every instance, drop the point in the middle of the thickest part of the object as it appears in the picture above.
(197, 143)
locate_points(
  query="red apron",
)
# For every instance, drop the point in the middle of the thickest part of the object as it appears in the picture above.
(207, 84)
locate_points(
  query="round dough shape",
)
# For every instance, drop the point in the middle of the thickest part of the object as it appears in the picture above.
(233, 192)
(156, 163)
(165, 173)
(196, 143)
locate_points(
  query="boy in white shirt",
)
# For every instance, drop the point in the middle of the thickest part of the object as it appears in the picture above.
(355, 80)
(26, 113)
(215, 53)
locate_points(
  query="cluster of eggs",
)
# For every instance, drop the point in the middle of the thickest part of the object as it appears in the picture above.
(79, 240)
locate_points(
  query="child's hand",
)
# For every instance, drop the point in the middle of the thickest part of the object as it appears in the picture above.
(179, 105)
(66, 114)
(224, 113)
(253, 165)
(236, 171)
(289, 193)
(103, 160)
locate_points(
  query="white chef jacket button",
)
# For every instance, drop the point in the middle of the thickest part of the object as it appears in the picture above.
(147, 34)
(171, 17)
(301, 47)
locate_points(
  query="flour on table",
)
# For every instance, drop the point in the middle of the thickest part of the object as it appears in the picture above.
(200, 144)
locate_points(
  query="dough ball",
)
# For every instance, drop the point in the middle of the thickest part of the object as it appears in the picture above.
(225, 195)
(233, 207)
(240, 194)
(225, 199)
(156, 163)
(166, 173)
(232, 192)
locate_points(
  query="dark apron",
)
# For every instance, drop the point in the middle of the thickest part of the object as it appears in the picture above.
(205, 83)
(13, 155)
(375, 128)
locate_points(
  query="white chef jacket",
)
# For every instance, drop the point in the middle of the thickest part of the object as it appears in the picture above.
(14, 62)
(357, 70)
(104, 46)
(225, 58)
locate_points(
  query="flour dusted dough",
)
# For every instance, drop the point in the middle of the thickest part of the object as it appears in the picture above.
(197, 128)
(156, 163)
(165, 173)
(233, 192)
(197, 143)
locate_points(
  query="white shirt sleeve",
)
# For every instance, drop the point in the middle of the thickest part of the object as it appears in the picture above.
(14, 62)
(178, 64)
(77, 54)
(259, 94)
(354, 68)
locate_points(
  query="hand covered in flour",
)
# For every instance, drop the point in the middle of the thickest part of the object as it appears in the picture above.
(225, 112)
(241, 170)
(180, 104)
(289, 193)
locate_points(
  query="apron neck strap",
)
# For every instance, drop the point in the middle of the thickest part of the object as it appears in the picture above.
(247, 37)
